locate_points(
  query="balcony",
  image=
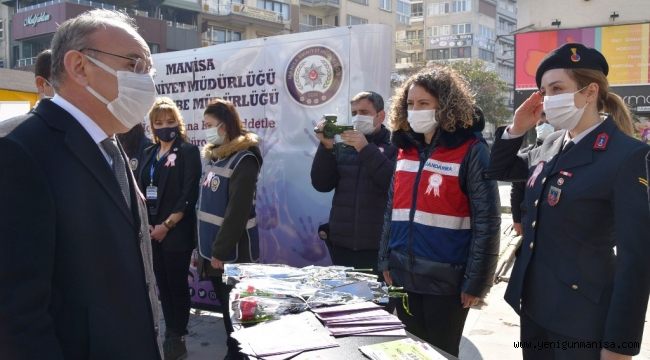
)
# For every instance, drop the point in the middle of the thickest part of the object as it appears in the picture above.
(410, 45)
(307, 27)
(25, 62)
(243, 14)
(320, 3)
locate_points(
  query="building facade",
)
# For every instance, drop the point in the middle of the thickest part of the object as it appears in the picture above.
(28, 26)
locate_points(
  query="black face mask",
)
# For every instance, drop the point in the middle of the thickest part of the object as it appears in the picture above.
(167, 134)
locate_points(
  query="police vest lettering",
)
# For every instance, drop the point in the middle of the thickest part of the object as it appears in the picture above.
(431, 214)
(212, 205)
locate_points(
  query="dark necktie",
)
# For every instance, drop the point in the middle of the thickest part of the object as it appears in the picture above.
(119, 167)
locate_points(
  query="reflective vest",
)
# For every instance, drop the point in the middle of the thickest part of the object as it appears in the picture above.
(212, 205)
(431, 213)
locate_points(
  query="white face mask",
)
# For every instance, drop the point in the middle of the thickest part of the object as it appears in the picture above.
(422, 121)
(136, 94)
(544, 130)
(212, 135)
(561, 111)
(364, 124)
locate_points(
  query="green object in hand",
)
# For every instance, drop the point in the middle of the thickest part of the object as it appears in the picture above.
(330, 129)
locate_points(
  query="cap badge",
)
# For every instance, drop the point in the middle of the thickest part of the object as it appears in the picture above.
(575, 57)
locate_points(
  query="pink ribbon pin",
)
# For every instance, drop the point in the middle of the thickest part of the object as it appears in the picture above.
(171, 160)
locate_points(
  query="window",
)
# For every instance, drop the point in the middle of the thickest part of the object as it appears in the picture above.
(414, 34)
(353, 20)
(361, 2)
(461, 29)
(440, 8)
(154, 48)
(440, 30)
(461, 5)
(486, 32)
(437, 54)
(416, 9)
(2, 63)
(403, 11)
(506, 26)
(220, 36)
(311, 20)
(385, 5)
(461, 53)
(336, 20)
(2, 29)
(275, 6)
(486, 55)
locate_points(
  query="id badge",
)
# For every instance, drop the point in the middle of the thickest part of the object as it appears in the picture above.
(152, 192)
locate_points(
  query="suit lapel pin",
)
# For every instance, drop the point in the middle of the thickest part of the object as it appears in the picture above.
(601, 142)
(560, 181)
(134, 164)
(554, 195)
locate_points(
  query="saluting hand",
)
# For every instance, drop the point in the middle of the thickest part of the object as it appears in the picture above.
(527, 114)
(354, 138)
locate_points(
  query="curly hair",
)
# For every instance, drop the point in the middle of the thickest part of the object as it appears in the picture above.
(163, 106)
(456, 101)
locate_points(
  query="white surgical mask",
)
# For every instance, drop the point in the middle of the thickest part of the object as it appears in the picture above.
(561, 111)
(544, 130)
(136, 94)
(212, 135)
(364, 124)
(422, 121)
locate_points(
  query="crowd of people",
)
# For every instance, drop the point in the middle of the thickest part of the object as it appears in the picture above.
(99, 222)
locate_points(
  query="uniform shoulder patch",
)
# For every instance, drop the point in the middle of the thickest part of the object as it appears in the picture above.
(601, 141)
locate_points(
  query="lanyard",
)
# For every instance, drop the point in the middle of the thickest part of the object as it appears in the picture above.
(154, 164)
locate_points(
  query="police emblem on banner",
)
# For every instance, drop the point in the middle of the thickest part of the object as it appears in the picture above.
(214, 183)
(554, 195)
(314, 76)
(133, 163)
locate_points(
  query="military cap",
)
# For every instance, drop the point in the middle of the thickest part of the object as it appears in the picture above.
(572, 56)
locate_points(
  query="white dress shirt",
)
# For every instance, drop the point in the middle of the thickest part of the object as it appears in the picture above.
(96, 133)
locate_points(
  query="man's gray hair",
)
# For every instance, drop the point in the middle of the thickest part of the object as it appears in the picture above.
(73, 35)
(375, 99)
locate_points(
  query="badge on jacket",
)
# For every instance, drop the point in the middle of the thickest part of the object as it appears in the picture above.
(554, 195)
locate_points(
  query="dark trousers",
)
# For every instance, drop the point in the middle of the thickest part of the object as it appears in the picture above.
(223, 293)
(436, 319)
(540, 343)
(171, 269)
(360, 259)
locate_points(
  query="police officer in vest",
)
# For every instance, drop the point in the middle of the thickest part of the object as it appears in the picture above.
(226, 209)
(441, 236)
(581, 281)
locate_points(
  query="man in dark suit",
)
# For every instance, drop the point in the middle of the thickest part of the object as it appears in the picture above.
(76, 278)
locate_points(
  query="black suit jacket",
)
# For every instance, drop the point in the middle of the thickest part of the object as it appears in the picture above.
(73, 282)
(178, 191)
(579, 206)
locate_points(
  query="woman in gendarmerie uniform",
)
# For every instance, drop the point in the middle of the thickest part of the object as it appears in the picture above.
(583, 274)
(226, 209)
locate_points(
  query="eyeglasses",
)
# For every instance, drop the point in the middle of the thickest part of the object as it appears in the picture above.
(139, 65)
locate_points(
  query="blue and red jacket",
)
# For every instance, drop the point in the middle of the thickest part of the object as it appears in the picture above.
(431, 213)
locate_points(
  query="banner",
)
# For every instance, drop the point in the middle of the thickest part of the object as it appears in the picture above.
(626, 48)
(281, 87)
